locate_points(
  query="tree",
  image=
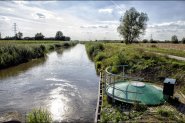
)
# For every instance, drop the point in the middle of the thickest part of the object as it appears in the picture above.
(0, 35)
(145, 41)
(19, 35)
(39, 36)
(67, 38)
(183, 40)
(174, 39)
(132, 24)
(59, 35)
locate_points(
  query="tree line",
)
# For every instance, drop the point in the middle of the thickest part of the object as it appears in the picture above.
(38, 36)
(174, 40)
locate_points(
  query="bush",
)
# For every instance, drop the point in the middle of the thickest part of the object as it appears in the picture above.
(100, 56)
(94, 48)
(39, 116)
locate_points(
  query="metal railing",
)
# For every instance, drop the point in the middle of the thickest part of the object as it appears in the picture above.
(110, 79)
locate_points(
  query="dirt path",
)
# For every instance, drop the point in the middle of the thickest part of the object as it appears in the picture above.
(170, 56)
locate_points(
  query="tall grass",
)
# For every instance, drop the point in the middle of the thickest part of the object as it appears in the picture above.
(150, 66)
(13, 54)
(39, 116)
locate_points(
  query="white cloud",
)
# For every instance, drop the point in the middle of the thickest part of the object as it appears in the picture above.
(80, 22)
(107, 10)
(164, 31)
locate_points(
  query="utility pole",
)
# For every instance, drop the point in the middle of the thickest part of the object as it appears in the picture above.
(15, 29)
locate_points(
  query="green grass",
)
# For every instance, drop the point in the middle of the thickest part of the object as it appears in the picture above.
(167, 51)
(150, 66)
(143, 64)
(12, 54)
(31, 41)
(39, 116)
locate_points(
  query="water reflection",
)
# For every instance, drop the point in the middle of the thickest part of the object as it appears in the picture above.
(16, 70)
(65, 83)
(58, 104)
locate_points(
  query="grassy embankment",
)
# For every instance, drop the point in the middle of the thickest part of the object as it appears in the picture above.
(153, 68)
(16, 52)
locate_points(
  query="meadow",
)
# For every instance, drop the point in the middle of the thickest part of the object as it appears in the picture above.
(16, 52)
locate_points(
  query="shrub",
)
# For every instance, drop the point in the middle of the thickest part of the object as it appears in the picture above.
(94, 48)
(100, 56)
(43, 47)
(39, 116)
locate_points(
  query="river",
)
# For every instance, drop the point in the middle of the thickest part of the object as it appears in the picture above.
(64, 82)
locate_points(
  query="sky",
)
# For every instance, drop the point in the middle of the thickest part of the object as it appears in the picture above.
(90, 20)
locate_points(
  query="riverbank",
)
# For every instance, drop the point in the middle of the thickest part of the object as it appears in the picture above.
(17, 52)
(153, 68)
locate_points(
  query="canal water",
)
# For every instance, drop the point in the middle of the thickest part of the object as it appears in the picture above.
(64, 82)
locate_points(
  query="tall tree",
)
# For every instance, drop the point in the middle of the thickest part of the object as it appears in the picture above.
(19, 35)
(174, 39)
(183, 40)
(132, 24)
(39, 36)
(0, 35)
(59, 35)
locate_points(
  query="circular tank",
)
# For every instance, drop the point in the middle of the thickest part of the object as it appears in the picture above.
(135, 91)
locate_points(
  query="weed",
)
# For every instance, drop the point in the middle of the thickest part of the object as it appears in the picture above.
(39, 116)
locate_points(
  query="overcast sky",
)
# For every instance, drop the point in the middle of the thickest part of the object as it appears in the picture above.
(90, 20)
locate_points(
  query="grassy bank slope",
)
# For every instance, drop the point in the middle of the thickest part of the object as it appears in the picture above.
(14, 53)
(153, 68)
